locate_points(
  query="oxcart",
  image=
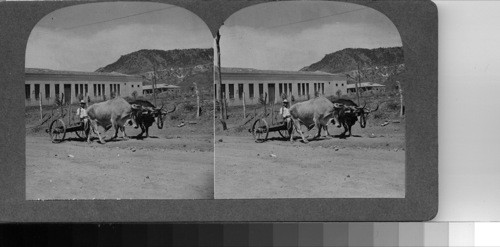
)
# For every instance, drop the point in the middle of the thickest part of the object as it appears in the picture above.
(260, 130)
(59, 127)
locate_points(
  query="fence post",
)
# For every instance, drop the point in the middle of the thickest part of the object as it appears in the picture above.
(40, 101)
(197, 100)
(401, 111)
(244, 107)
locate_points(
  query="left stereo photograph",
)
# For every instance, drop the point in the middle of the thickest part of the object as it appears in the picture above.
(119, 104)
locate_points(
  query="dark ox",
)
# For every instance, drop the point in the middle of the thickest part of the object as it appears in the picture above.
(112, 113)
(148, 115)
(350, 114)
(316, 112)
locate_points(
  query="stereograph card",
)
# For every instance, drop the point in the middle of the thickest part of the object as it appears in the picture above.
(219, 110)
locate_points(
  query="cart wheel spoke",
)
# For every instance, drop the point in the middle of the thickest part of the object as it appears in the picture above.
(57, 131)
(260, 130)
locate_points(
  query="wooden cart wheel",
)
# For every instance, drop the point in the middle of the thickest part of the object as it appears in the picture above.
(284, 133)
(81, 133)
(57, 131)
(260, 130)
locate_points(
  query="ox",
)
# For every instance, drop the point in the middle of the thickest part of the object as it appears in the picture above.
(112, 113)
(148, 115)
(316, 112)
(350, 114)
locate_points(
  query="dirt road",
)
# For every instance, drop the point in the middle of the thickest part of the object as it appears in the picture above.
(365, 165)
(171, 165)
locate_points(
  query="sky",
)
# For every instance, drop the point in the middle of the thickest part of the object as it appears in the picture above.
(82, 37)
(292, 35)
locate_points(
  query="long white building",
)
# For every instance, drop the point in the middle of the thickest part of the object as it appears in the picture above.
(250, 84)
(69, 86)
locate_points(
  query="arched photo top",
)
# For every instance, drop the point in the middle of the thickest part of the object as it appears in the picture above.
(89, 36)
(291, 35)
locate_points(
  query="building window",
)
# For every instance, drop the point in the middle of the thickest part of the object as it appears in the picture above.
(95, 90)
(299, 92)
(47, 90)
(303, 89)
(261, 89)
(27, 89)
(250, 90)
(56, 90)
(280, 88)
(81, 89)
(342, 84)
(286, 88)
(37, 91)
(336, 84)
(76, 90)
(323, 88)
(119, 92)
(240, 91)
(103, 89)
(307, 88)
(231, 91)
(98, 89)
(290, 88)
(86, 89)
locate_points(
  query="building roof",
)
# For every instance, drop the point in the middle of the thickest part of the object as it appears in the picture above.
(67, 72)
(230, 73)
(365, 84)
(37, 73)
(146, 87)
(260, 71)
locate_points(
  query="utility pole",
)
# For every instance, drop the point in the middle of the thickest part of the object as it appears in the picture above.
(401, 111)
(356, 83)
(154, 84)
(221, 97)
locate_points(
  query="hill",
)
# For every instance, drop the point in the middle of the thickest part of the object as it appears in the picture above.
(176, 67)
(381, 65)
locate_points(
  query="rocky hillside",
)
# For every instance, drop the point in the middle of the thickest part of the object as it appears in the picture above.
(381, 65)
(176, 67)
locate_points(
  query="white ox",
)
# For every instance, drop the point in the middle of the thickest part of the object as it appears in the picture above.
(112, 113)
(317, 112)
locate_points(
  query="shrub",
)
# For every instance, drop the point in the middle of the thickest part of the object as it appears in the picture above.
(175, 115)
(392, 106)
(189, 106)
(378, 115)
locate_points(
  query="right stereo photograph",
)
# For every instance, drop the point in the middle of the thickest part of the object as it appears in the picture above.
(309, 103)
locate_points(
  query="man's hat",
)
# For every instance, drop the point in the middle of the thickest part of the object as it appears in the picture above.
(285, 101)
(82, 101)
